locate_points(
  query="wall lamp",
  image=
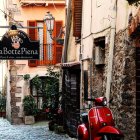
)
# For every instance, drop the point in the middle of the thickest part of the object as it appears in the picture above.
(49, 21)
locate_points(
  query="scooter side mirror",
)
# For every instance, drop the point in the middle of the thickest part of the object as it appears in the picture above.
(110, 101)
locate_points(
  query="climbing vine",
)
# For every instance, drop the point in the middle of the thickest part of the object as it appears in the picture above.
(47, 87)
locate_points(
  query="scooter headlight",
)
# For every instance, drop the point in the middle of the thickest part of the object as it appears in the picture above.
(104, 124)
(104, 101)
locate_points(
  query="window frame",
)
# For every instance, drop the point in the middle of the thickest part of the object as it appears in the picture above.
(55, 45)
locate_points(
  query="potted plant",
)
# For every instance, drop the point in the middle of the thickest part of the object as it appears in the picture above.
(26, 77)
(2, 106)
(30, 109)
(36, 81)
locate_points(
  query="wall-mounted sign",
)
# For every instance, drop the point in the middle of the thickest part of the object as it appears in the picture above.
(18, 46)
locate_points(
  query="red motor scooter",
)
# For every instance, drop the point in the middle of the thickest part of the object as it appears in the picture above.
(98, 123)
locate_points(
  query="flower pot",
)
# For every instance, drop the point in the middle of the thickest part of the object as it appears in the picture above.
(29, 120)
(3, 114)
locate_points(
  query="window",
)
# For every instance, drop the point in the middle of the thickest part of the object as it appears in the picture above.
(50, 50)
(45, 91)
(39, 95)
(100, 51)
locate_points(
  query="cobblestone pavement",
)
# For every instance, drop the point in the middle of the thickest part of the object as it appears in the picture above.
(27, 132)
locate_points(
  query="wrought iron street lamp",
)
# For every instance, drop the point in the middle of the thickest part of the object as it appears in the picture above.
(49, 21)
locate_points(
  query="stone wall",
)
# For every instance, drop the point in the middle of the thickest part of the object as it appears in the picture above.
(13, 84)
(123, 85)
(99, 74)
(98, 78)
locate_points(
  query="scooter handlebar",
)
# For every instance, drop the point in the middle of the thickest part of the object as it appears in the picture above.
(110, 101)
(90, 99)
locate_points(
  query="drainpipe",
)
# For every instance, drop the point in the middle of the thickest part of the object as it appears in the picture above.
(67, 30)
(111, 49)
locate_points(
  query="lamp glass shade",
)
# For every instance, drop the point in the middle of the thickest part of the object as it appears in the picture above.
(49, 19)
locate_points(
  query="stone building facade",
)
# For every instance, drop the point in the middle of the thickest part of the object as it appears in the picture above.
(123, 89)
(122, 74)
(107, 59)
(123, 84)
(15, 98)
(28, 14)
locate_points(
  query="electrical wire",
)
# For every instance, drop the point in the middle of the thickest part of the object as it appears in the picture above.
(54, 6)
(96, 32)
(11, 17)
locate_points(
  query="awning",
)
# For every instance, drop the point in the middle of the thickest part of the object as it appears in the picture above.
(70, 65)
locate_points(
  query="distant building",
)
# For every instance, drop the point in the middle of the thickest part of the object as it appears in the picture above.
(26, 14)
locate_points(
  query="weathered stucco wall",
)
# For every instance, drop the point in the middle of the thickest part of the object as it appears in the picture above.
(96, 76)
(123, 85)
(123, 73)
(38, 12)
(71, 49)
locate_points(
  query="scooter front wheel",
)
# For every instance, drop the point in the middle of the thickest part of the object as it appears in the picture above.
(112, 137)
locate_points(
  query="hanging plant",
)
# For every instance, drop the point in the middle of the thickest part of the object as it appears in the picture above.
(26, 76)
(36, 82)
(2, 103)
(52, 73)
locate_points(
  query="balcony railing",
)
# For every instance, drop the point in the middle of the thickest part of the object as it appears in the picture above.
(41, 2)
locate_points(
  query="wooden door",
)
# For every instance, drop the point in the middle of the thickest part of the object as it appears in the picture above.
(71, 101)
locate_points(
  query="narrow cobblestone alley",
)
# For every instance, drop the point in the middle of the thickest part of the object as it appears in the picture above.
(27, 132)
